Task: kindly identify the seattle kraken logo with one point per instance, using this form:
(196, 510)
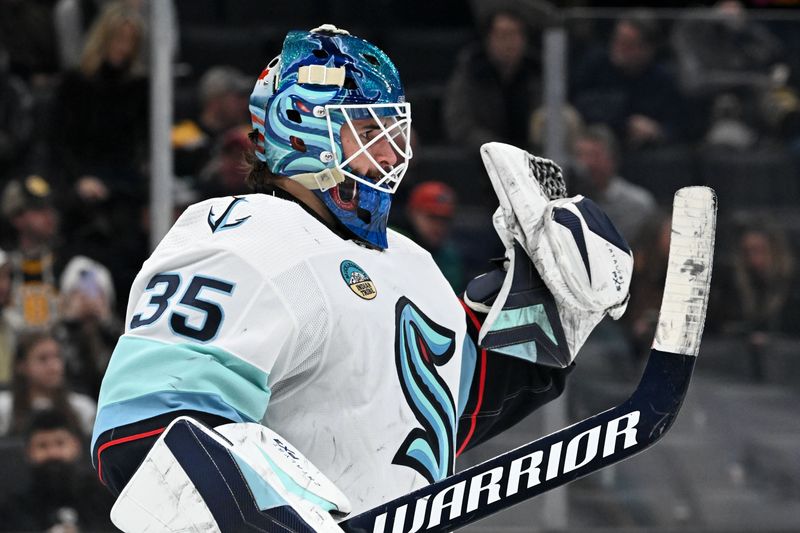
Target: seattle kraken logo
(420, 347)
(221, 223)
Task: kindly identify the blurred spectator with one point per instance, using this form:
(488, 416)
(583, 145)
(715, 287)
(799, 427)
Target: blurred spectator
(626, 87)
(102, 110)
(224, 94)
(73, 19)
(734, 65)
(16, 118)
(650, 253)
(728, 126)
(573, 125)
(26, 31)
(102, 113)
(225, 173)
(63, 495)
(39, 383)
(755, 287)
(724, 51)
(35, 262)
(89, 328)
(430, 211)
(8, 333)
(496, 83)
(629, 206)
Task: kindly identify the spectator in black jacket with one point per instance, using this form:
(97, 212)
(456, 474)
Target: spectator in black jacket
(625, 87)
(63, 494)
(755, 290)
(16, 117)
(495, 86)
(101, 110)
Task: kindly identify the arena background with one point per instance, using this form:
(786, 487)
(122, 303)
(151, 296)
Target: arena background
(731, 462)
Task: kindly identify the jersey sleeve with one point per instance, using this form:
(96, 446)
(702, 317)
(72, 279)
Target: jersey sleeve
(207, 332)
(503, 390)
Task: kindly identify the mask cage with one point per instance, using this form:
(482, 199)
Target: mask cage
(393, 123)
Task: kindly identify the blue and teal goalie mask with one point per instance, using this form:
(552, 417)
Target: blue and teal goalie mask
(330, 113)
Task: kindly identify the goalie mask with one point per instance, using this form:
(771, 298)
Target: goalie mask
(330, 113)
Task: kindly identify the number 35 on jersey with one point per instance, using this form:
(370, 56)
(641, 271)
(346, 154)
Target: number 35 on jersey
(194, 308)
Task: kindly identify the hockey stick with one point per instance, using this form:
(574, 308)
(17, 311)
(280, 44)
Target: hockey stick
(598, 441)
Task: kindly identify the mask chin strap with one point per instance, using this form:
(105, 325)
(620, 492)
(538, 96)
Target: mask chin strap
(328, 179)
(319, 181)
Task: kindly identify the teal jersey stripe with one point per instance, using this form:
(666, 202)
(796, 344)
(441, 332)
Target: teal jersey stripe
(125, 412)
(469, 360)
(141, 367)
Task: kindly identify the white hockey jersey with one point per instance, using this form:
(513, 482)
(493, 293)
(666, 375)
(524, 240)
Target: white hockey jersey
(252, 309)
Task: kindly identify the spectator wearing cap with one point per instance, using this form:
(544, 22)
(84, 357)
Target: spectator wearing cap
(36, 261)
(61, 494)
(88, 327)
(223, 95)
(430, 209)
(100, 115)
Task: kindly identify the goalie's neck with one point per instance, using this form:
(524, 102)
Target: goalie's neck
(307, 198)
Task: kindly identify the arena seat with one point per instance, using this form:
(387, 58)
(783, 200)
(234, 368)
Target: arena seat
(12, 465)
(249, 50)
(198, 11)
(456, 167)
(438, 46)
(426, 112)
(661, 170)
(297, 14)
(765, 177)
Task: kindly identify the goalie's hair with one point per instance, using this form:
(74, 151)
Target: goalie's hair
(259, 178)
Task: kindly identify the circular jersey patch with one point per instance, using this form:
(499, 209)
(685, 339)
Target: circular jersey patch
(358, 280)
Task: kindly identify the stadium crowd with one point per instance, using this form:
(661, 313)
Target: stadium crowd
(653, 104)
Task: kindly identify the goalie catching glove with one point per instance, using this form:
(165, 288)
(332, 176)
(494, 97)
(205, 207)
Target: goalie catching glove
(568, 265)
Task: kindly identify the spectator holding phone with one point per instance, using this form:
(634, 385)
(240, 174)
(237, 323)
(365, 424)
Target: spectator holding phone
(88, 328)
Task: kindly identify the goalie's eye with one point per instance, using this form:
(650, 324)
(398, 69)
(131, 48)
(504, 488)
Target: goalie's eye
(368, 134)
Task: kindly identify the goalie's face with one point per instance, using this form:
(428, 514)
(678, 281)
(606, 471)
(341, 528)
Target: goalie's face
(369, 152)
(332, 105)
(375, 153)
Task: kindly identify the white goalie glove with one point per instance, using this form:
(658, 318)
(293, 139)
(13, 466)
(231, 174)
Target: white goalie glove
(582, 271)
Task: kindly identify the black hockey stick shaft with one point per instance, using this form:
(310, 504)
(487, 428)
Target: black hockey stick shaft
(543, 464)
(597, 441)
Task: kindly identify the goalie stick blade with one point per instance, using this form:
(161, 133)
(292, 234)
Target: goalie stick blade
(600, 440)
(691, 253)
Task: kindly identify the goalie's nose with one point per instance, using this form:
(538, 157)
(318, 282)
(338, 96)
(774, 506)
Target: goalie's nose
(384, 154)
